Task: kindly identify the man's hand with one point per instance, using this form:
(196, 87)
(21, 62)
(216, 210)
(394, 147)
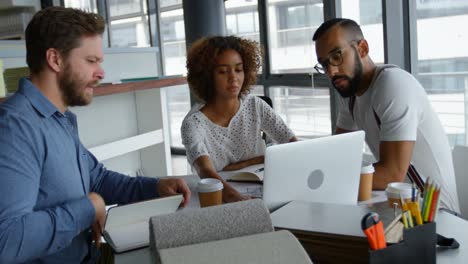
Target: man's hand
(170, 187)
(99, 218)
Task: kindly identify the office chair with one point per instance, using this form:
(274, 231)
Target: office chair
(270, 103)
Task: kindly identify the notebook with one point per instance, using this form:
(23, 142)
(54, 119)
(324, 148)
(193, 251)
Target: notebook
(127, 226)
(252, 173)
(325, 170)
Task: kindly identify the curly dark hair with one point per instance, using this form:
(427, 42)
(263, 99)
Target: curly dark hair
(201, 58)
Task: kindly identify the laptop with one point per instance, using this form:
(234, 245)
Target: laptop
(325, 170)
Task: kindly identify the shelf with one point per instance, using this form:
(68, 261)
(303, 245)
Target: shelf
(108, 89)
(127, 145)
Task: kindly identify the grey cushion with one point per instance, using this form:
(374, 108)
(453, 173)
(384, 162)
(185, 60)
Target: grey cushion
(188, 227)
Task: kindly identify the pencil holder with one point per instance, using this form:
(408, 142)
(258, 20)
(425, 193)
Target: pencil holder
(418, 246)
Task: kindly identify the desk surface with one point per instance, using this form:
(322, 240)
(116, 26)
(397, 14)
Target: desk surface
(447, 225)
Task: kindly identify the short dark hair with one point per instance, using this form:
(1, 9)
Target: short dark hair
(201, 58)
(349, 25)
(60, 28)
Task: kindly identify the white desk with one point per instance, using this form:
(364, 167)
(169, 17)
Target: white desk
(447, 225)
(142, 256)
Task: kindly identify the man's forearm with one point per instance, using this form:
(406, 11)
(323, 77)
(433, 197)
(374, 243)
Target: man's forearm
(41, 233)
(384, 175)
(245, 163)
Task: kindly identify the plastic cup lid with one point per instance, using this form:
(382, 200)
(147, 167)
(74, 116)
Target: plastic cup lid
(367, 167)
(209, 185)
(394, 189)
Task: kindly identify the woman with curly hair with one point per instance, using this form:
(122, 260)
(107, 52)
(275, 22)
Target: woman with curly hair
(224, 131)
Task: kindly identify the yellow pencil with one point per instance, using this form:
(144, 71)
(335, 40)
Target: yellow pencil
(428, 203)
(405, 222)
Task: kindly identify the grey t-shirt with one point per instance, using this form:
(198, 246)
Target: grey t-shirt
(402, 105)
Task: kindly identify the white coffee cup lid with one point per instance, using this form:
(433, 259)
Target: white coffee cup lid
(367, 167)
(394, 189)
(209, 185)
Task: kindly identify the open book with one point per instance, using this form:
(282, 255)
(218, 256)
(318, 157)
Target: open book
(126, 226)
(252, 173)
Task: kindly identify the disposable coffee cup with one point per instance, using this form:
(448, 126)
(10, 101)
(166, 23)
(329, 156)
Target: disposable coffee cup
(365, 183)
(210, 192)
(396, 191)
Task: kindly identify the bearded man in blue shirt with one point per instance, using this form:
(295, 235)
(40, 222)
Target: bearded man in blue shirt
(53, 190)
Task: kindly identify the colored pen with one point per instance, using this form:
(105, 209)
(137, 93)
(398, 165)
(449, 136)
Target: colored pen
(425, 195)
(405, 222)
(429, 202)
(434, 204)
(410, 219)
(416, 213)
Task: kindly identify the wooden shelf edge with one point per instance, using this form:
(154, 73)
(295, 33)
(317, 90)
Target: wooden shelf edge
(127, 145)
(138, 85)
(109, 89)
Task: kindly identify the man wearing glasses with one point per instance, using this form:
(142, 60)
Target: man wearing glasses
(390, 105)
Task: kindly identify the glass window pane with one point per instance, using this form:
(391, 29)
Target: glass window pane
(86, 5)
(231, 24)
(173, 41)
(169, 3)
(242, 19)
(368, 14)
(442, 66)
(305, 110)
(178, 102)
(126, 7)
(246, 23)
(291, 27)
(132, 32)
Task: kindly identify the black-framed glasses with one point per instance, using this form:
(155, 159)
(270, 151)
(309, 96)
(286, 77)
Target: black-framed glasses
(334, 59)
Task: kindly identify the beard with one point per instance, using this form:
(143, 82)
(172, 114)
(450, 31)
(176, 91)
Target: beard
(353, 83)
(72, 88)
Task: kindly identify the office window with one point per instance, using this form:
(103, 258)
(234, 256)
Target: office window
(169, 3)
(291, 25)
(368, 14)
(305, 110)
(131, 32)
(174, 58)
(128, 23)
(126, 7)
(86, 5)
(442, 63)
(173, 41)
(128, 19)
(242, 19)
(178, 102)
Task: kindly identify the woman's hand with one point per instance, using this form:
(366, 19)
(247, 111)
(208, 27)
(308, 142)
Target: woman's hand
(245, 163)
(231, 195)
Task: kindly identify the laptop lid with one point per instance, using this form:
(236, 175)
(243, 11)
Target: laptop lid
(323, 170)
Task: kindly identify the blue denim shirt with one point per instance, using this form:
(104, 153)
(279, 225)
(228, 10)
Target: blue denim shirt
(45, 177)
